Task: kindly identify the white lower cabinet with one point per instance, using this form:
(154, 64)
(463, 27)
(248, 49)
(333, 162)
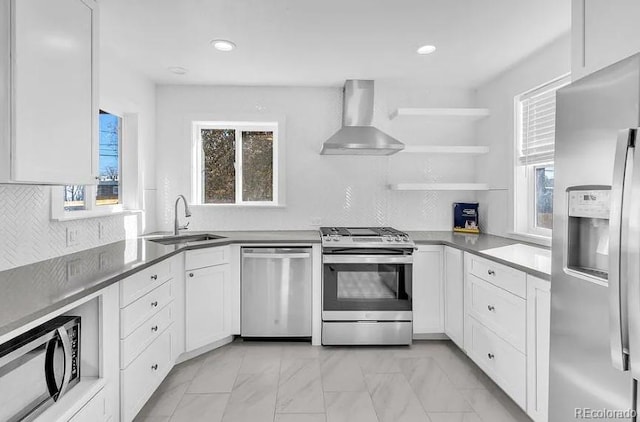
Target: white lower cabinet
(502, 312)
(141, 378)
(147, 346)
(454, 295)
(428, 300)
(538, 333)
(208, 300)
(499, 359)
(207, 290)
(506, 331)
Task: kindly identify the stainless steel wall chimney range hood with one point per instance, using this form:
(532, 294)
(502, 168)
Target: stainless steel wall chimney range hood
(357, 136)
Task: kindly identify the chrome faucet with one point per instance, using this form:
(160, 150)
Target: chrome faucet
(187, 213)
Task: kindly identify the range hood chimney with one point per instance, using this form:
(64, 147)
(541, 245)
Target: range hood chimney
(357, 136)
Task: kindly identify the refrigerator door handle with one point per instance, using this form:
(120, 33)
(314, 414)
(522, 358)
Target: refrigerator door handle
(618, 318)
(630, 266)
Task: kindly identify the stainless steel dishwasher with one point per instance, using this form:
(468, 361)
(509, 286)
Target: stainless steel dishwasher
(276, 292)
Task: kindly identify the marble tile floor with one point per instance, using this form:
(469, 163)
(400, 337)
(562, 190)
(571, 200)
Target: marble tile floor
(430, 381)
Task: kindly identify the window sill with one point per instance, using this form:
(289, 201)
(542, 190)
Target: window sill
(532, 238)
(238, 205)
(83, 215)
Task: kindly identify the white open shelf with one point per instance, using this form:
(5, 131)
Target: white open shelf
(73, 400)
(444, 149)
(439, 186)
(467, 113)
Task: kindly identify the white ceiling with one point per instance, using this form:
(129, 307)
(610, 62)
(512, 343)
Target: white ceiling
(324, 42)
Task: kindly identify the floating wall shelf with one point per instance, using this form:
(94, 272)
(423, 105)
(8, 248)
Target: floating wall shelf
(439, 186)
(429, 149)
(467, 113)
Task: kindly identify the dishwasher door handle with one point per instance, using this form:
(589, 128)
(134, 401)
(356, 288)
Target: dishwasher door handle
(276, 255)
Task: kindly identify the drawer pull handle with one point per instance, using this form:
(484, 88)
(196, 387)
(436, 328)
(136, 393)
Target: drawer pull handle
(154, 304)
(491, 308)
(154, 366)
(154, 328)
(491, 272)
(491, 355)
(154, 277)
(190, 274)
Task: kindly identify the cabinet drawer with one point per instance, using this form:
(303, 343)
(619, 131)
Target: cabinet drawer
(501, 311)
(142, 309)
(206, 257)
(144, 335)
(501, 361)
(144, 375)
(510, 279)
(134, 287)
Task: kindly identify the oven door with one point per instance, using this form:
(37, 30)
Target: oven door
(367, 287)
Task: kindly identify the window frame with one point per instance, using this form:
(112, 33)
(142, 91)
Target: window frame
(92, 209)
(524, 195)
(238, 127)
(119, 206)
(532, 226)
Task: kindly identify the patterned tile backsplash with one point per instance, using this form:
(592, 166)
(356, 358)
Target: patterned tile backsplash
(27, 233)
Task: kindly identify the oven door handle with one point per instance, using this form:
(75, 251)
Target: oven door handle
(367, 259)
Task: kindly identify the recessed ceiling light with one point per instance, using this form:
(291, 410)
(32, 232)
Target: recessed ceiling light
(177, 70)
(223, 45)
(426, 49)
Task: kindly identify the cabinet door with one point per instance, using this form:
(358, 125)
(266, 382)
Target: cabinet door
(428, 309)
(538, 326)
(454, 295)
(54, 108)
(603, 32)
(207, 305)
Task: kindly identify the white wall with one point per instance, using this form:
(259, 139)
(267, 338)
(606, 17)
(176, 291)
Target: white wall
(125, 92)
(498, 132)
(27, 233)
(338, 190)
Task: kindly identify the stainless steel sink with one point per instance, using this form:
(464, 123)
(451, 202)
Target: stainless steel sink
(186, 238)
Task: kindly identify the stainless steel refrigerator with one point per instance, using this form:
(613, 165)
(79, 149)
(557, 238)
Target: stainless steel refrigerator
(595, 287)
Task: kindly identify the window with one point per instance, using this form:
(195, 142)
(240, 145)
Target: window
(535, 143)
(236, 163)
(107, 194)
(108, 189)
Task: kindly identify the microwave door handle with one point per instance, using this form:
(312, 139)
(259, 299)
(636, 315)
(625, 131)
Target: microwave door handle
(618, 320)
(52, 384)
(68, 361)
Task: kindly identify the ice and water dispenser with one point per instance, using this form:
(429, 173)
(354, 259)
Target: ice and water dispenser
(588, 237)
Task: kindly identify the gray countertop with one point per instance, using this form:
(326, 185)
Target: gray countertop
(476, 243)
(35, 290)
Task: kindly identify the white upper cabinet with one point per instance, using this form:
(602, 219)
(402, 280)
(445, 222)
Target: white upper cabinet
(48, 92)
(602, 33)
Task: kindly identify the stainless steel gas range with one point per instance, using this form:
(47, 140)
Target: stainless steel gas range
(367, 286)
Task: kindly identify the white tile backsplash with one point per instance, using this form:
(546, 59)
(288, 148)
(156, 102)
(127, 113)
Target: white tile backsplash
(27, 233)
(338, 190)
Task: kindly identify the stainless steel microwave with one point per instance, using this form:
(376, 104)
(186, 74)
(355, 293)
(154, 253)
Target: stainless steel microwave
(38, 367)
